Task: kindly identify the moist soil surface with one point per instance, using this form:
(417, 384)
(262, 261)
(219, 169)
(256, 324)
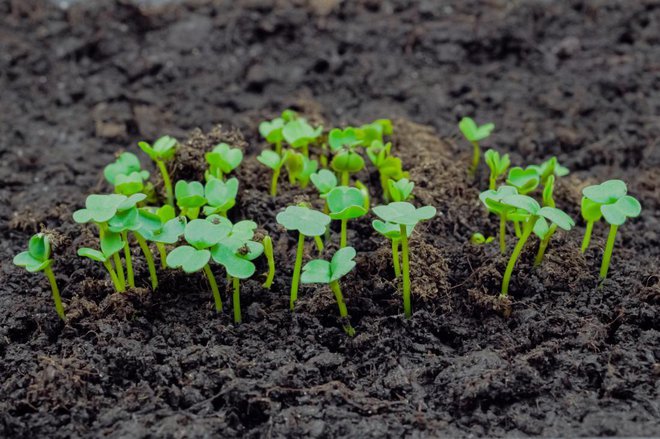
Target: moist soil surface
(562, 358)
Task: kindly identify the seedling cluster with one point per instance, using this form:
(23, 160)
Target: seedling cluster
(191, 230)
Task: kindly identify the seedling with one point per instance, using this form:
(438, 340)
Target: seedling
(272, 132)
(300, 168)
(345, 203)
(393, 233)
(267, 242)
(478, 238)
(126, 174)
(324, 181)
(593, 197)
(162, 150)
(190, 197)
(541, 228)
(324, 272)
(474, 134)
(525, 180)
(400, 190)
(616, 207)
(275, 162)
(550, 167)
(497, 164)
(37, 258)
(300, 134)
(111, 244)
(307, 222)
(346, 160)
(167, 230)
(201, 235)
(404, 215)
(220, 196)
(492, 200)
(389, 167)
(529, 211)
(222, 160)
(374, 131)
(236, 253)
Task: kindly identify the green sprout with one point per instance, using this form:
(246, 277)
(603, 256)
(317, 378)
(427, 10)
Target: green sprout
(550, 167)
(267, 242)
(374, 131)
(393, 233)
(222, 160)
(498, 165)
(111, 244)
(404, 215)
(609, 200)
(300, 168)
(167, 229)
(189, 197)
(37, 258)
(389, 167)
(201, 235)
(347, 162)
(493, 201)
(345, 203)
(474, 134)
(275, 162)
(529, 211)
(272, 132)
(162, 150)
(478, 238)
(319, 271)
(525, 180)
(400, 190)
(220, 196)
(126, 174)
(300, 134)
(307, 222)
(324, 181)
(236, 253)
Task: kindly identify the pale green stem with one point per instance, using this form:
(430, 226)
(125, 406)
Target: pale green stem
(120, 269)
(611, 238)
(319, 244)
(268, 251)
(503, 233)
(476, 156)
(405, 265)
(527, 231)
(166, 182)
(56, 293)
(296, 271)
(493, 181)
(214, 288)
(395, 258)
(163, 254)
(273, 182)
(236, 301)
(587, 236)
(384, 186)
(150, 260)
(305, 150)
(278, 147)
(543, 245)
(344, 233)
(129, 260)
(516, 227)
(345, 178)
(113, 276)
(343, 312)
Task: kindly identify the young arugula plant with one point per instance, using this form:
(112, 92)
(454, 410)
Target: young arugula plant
(220, 196)
(611, 199)
(374, 131)
(404, 215)
(162, 151)
(201, 235)
(529, 212)
(524, 180)
(126, 174)
(498, 165)
(111, 244)
(346, 160)
(300, 134)
(324, 181)
(236, 253)
(190, 198)
(474, 134)
(492, 200)
(389, 167)
(541, 228)
(222, 160)
(345, 203)
(307, 222)
(161, 227)
(478, 238)
(319, 271)
(300, 168)
(400, 190)
(550, 167)
(393, 233)
(275, 162)
(37, 258)
(267, 242)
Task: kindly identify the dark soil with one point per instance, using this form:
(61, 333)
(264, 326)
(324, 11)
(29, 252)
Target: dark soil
(579, 79)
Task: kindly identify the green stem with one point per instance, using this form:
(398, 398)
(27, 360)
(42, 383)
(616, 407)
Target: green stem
(296, 271)
(345, 178)
(120, 270)
(319, 244)
(113, 275)
(268, 251)
(343, 312)
(516, 227)
(492, 181)
(305, 151)
(166, 181)
(611, 238)
(344, 233)
(150, 260)
(163, 254)
(214, 288)
(405, 265)
(273, 182)
(476, 156)
(503, 233)
(395, 258)
(56, 293)
(384, 186)
(236, 301)
(587, 236)
(543, 245)
(527, 231)
(129, 260)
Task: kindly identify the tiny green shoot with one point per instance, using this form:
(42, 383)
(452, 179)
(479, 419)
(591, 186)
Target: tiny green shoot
(37, 258)
(220, 196)
(393, 233)
(162, 150)
(400, 190)
(345, 203)
(271, 130)
(126, 174)
(300, 168)
(324, 272)
(593, 197)
(267, 242)
(478, 238)
(300, 134)
(222, 160)
(498, 165)
(492, 200)
(525, 180)
(111, 244)
(189, 197)
(474, 134)
(275, 162)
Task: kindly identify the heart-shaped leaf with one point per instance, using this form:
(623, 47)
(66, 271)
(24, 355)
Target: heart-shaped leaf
(472, 132)
(347, 161)
(557, 216)
(204, 234)
(124, 220)
(272, 130)
(342, 263)
(189, 259)
(346, 203)
(316, 271)
(220, 195)
(523, 202)
(99, 208)
(607, 192)
(111, 243)
(400, 190)
(625, 207)
(525, 180)
(338, 138)
(126, 164)
(493, 199)
(401, 212)
(235, 265)
(590, 210)
(189, 195)
(299, 133)
(307, 221)
(541, 228)
(324, 181)
(224, 157)
(92, 254)
(390, 230)
(271, 159)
